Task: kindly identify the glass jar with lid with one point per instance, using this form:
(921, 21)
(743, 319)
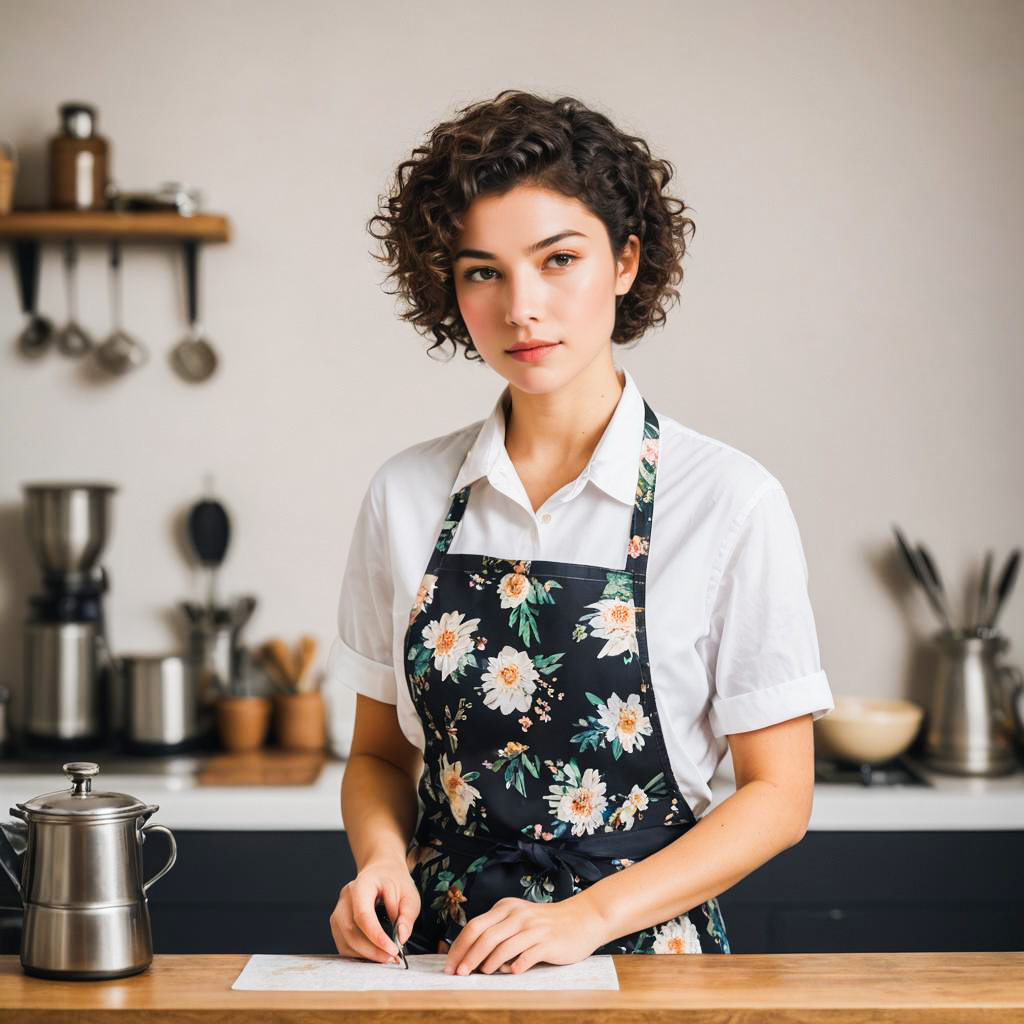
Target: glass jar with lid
(79, 161)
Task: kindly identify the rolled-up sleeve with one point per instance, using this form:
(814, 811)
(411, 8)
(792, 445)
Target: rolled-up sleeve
(762, 650)
(361, 653)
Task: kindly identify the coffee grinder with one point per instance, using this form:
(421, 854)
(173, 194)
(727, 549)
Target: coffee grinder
(69, 698)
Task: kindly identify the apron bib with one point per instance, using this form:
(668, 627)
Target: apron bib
(545, 767)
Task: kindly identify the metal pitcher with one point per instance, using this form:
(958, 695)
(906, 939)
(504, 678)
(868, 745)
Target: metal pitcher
(974, 720)
(80, 855)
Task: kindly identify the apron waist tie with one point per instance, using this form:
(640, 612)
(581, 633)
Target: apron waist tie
(564, 857)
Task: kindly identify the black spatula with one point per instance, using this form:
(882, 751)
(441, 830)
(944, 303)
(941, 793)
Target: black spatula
(209, 531)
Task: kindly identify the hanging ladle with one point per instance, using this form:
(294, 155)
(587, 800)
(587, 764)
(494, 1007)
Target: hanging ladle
(193, 358)
(35, 339)
(72, 340)
(120, 352)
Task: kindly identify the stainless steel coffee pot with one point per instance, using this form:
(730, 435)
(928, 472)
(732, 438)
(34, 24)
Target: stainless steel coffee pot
(86, 912)
(976, 718)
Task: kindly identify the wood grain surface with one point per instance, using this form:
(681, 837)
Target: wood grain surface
(937, 988)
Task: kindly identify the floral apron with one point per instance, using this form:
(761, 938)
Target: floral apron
(545, 768)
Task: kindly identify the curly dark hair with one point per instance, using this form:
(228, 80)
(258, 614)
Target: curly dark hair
(519, 138)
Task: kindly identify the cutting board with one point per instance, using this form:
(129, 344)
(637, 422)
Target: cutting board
(268, 767)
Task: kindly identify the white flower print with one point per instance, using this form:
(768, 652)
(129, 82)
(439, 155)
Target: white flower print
(449, 638)
(650, 450)
(636, 801)
(584, 806)
(679, 935)
(509, 681)
(461, 795)
(615, 622)
(513, 588)
(625, 722)
(638, 798)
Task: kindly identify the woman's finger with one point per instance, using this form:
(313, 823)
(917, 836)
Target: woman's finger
(363, 948)
(481, 947)
(408, 910)
(350, 941)
(364, 915)
(506, 951)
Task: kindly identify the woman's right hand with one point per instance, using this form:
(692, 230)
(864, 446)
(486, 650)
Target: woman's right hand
(354, 923)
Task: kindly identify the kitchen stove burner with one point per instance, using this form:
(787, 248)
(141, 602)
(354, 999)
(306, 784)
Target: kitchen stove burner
(898, 771)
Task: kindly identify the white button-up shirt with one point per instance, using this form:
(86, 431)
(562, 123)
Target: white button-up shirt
(730, 631)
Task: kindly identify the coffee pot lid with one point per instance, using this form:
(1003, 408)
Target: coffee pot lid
(80, 801)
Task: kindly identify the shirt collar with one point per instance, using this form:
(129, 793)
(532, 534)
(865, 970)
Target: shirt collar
(613, 466)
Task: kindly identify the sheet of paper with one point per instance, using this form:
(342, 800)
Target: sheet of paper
(426, 971)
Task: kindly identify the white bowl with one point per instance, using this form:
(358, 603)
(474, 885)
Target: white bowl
(867, 730)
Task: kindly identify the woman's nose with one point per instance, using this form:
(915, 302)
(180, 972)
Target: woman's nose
(524, 299)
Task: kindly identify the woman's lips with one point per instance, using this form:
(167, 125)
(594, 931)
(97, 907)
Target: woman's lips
(531, 355)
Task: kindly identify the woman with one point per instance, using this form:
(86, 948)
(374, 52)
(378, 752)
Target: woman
(547, 672)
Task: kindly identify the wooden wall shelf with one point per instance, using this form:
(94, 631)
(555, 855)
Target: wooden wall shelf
(126, 225)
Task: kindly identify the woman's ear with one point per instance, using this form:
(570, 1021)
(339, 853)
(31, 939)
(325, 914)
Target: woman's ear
(628, 264)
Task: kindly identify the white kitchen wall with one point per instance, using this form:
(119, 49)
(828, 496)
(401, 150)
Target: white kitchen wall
(850, 315)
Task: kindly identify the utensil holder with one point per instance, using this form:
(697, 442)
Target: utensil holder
(300, 720)
(243, 722)
(8, 174)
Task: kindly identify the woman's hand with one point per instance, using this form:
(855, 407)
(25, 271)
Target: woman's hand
(515, 934)
(354, 923)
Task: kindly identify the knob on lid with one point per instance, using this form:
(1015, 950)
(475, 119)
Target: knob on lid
(80, 801)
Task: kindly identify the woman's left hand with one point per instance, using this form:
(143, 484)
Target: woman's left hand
(515, 934)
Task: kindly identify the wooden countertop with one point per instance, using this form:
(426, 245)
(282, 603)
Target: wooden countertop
(926, 988)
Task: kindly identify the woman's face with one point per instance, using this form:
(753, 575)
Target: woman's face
(562, 292)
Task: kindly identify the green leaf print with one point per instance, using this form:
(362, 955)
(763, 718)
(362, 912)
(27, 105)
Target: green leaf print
(523, 617)
(420, 656)
(514, 767)
(567, 774)
(657, 787)
(589, 739)
(547, 663)
(468, 659)
(619, 587)
(596, 734)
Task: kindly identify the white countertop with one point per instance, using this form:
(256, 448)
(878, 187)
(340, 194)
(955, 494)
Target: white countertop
(951, 804)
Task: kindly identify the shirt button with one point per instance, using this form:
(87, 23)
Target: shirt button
(546, 518)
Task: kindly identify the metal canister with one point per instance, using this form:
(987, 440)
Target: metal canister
(161, 702)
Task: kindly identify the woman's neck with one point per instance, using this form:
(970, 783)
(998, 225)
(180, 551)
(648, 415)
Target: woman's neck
(562, 428)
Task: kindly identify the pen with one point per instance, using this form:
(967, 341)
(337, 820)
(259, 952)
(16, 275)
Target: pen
(386, 924)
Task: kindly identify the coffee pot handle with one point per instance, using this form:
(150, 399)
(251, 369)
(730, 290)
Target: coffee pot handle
(170, 860)
(1014, 692)
(13, 840)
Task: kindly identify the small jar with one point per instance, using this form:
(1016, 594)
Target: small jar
(79, 161)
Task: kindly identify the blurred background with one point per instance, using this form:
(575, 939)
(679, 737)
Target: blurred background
(850, 314)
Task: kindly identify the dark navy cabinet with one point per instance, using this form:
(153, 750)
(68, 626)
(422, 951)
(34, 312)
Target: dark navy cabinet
(273, 892)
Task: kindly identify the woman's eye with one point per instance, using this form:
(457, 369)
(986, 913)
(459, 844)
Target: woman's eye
(564, 255)
(490, 270)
